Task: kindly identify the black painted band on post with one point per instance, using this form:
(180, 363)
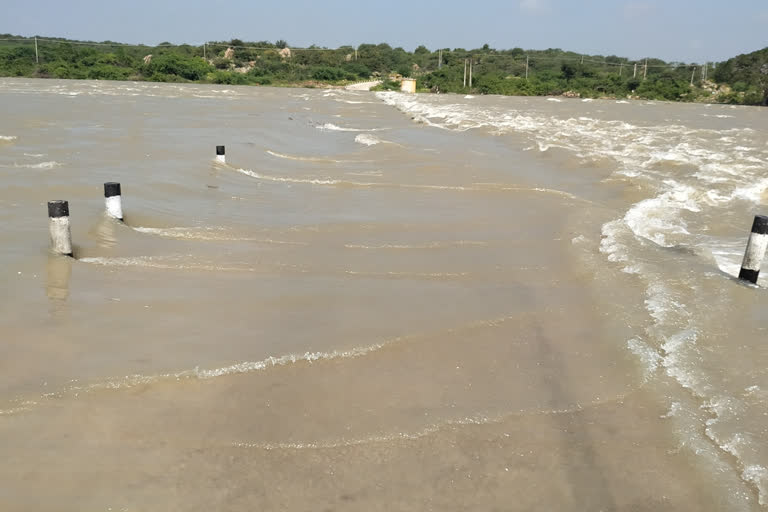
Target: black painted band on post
(111, 189)
(749, 275)
(58, 209)
(219, 150)
(760, 225)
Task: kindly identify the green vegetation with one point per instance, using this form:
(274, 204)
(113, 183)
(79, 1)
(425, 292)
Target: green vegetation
(747, 76)
(741, 80)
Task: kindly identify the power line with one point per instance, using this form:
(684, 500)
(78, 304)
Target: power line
(527, 57)
(170, 45)
(533, 57)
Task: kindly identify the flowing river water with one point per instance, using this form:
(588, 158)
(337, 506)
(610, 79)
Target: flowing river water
(380, 302)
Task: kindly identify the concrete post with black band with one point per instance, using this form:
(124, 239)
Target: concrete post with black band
(61, 237)
(753, 257)
(113, 200)
(220, 155)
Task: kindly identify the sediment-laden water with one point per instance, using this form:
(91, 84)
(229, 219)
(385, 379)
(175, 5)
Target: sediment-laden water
(381, 302)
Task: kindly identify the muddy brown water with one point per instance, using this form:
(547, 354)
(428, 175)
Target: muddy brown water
(381, 302)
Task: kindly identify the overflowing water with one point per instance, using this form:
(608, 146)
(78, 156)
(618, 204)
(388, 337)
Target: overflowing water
(381, 302)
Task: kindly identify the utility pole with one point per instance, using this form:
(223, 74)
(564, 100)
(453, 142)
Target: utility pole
(470, 73)
(635, 73)
(205, 56)
(692, 75)
(645, 71)
(37, 57)
(582, 60)
(621, 68)
(465, 72)
(355, 53)
(439, 59)
(526, 67)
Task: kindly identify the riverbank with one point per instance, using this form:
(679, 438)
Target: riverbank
(514, 72)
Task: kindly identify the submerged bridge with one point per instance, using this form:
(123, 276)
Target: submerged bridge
(363, 86)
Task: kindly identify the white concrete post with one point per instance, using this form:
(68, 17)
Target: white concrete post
(753, 257)
(113, 200)
(61, 237)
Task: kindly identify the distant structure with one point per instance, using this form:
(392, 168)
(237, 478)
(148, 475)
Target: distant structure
(229, 54)
(285, 53)
(408, 85)
(363, 86)
(147, 59)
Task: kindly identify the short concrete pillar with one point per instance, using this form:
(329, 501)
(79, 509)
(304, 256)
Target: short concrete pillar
(220, 155)
(113, 200)
(753, 257)
(408, 85)
(61, 237)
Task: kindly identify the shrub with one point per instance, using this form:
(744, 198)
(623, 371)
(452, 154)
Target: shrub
(328, 73)
(190, 68)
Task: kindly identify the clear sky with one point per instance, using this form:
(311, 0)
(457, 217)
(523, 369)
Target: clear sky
(674, 30)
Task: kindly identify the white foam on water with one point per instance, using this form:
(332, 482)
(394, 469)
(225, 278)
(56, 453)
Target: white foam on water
(739, 444)
(383, 438)
(428, 430)
(468, 97)
(459, 188)
(556, 100)
(674, 325)
(367, 139)
(40, 165)
(306, 158)
(245, 367)
(674, 410)
(638, 150)
(335, 128)
(478, 419)
(163, 263)
(758, 476)
(132, 381)
(728, 257)
(286, 179)
(659, 219)
(7, 138)
(753, 193)
(214, 233)
(650, 359)
(338, 183)
(680, 361)
(364, 173)
(578, 240)
(614, 241)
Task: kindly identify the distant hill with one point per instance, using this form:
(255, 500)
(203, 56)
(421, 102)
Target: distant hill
(747, 75)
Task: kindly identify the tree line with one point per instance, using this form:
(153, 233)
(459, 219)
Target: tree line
(741, 80)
